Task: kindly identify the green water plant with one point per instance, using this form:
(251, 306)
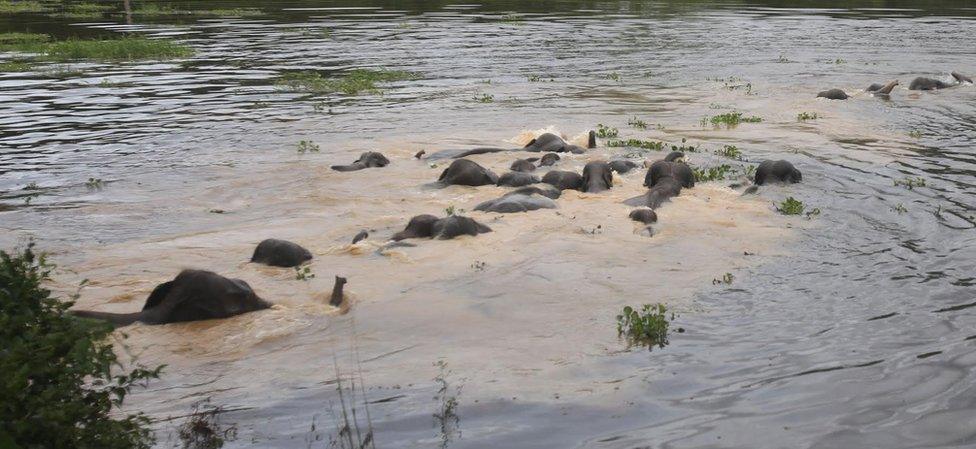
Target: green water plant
(21, 6)
(646, 326)
(653, 145)
(349, 83)
(804, 116)
(304, 273)
(485, 98)
(614, 76)
(94, 184)
(61, 381)
(122, 49)
(637, 123)
(791, 206)
(307, 146)
(451, 210)
(606, 132)
(715, 173)
(725, 279)
(730, 151)
(730, 119)
(915, 134)
(16, 66)
(910, 182)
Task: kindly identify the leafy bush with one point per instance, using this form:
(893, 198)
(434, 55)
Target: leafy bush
(60, 377)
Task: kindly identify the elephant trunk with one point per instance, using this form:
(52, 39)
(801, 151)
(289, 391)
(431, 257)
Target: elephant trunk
(117, 319)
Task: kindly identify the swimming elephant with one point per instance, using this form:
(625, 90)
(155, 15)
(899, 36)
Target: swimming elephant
(622, 165)
(193, 295)
(551, 143)
(923, 83)
(643, 215)
(467, 173)
(674, 156)
(882, 89)
(667, 169)
(563, 180)
(368, 159)
(516, 202)
(429, 226)
(517, 179)
(597, 177)
(547, 190)
(522, 165)
(833, 94)
(777, 172)
(548, 159)
(337, 298)
(280, 253)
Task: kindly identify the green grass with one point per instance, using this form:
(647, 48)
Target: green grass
(804, 116)
(124, 49)
(24, 6)
(350, 83)
(307, 146)
(637, 143)
(606, 132)
(791, 206)
(647, 326)
(910, 182)
(152, 9)
(451, 210)
(13, 39)
(637, 123)
(16, 66)
(730, 151)
(730, 119)
(613, 76)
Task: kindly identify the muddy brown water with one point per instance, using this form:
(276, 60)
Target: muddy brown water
(853, 328)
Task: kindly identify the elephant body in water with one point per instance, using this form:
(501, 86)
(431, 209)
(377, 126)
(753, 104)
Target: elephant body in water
(563, 180)
(467, 173)
(923, 83)
(777, 172)
(551, 143)
(280, 253)
(366, 160)
(597, 177)
(192, 296)
(522, 165)
(429, 226)
(833, 94)
(517, 179)
(664, 180)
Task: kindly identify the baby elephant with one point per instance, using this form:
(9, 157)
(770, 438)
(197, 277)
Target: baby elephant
(280, 253)
(429, 226)
(517, 179)
(522, 165)
(781, 172)
(563, 180)
(368, 159)
(193, 295)
(467, 173)
(597, 177)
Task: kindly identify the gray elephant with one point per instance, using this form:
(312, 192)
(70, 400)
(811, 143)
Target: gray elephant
(280, 253)
(467, 173)
(781, 172)
(551, 143)
(563, 180)
(429, 226)
(664, 180)
(192, 296)
(597, 177)
(517, 179)
(643, 215)
(522, 165)
(833, 94)
(923, 83)
(368, 159)
(622, 165)
(516, 202)
(548, 160)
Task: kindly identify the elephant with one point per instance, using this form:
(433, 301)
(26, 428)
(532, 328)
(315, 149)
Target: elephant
(551, 143)
(547, 190)
(777, 172)
(643, 215)
(622, 165)
(674, 156)
(430, 226)
(192, 296)
(833, 94)
(664, 180)
(516, 202)
(597, 177)
(467, 173)
(563, 179)
(362, 235)
(522, 165)
(882, 89)
(517, 179)
(922, 83)
(548, 159)
(368, 159)
(280, 253)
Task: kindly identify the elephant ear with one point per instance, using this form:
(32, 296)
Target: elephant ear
(443, 174)
(158, 295)
(531, 142)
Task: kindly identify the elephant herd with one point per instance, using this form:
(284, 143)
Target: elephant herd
(200, 295)
(884, 90)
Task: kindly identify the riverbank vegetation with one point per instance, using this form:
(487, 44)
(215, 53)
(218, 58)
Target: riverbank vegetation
(350, 83)
(61, 380)
(42, 48)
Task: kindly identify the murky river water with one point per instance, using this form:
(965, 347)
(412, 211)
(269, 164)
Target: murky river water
(854, 328)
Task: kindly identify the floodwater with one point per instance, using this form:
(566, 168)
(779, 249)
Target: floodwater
(851, 328)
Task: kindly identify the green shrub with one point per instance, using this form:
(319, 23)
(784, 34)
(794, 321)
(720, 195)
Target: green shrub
(791, 206)
(61, 379)
(648, 326)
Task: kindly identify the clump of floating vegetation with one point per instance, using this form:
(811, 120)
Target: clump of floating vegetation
(537, 79)
(304, 273)
(21, 6)
(637, 143)
(613, 76)
(730, 119)
(730, 151)
(16, 66)
(726, 279)
(94, 184)
(791, 206)
(123, 49)
(637, 123)
(712, 173)
(350, 83)
(647, 326)
(910, 182)
(915, 133)
(307, 146)
(451, 210)
(804, 116)
(606, 132)
(513, 19)
(485, 98)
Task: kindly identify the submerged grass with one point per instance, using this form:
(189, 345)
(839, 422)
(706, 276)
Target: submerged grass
(124, 49)
(730, 119)
(16, 66)
(352, 82)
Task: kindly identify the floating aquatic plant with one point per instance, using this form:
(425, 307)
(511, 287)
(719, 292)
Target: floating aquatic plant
(730, 151)
(304, 273)
(637, 143)
(647, 326)
(21, 6)
(123, 49)
(606, 132)
(910, 182)
(730, 119)
(485, 98)
(804, 116)
(307, 146)
(712, 173)
(790, 206)
(349, 83)
(726, 279)
(637, 123)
